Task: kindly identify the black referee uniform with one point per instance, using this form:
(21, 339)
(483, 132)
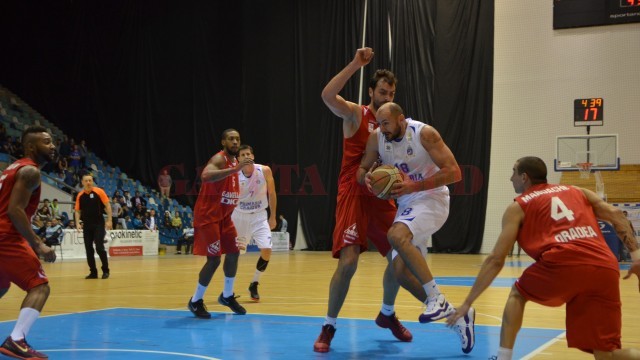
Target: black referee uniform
(91, 206)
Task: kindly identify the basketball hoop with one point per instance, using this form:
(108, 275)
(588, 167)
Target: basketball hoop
(585, 169)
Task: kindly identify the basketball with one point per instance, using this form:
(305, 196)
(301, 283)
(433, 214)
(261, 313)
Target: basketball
(383, 178)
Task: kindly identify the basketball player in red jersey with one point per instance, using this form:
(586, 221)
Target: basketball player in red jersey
(556, 225)
(214, 233)
(359, 214)
(19, 264)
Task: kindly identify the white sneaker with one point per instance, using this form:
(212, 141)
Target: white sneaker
(437, 308)
(465, 327)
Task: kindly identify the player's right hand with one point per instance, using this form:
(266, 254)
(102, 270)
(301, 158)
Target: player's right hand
(363, 56)
(634, 269)
(244, 162)
(48, 253)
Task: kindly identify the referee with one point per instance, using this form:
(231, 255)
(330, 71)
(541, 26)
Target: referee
(91, 204)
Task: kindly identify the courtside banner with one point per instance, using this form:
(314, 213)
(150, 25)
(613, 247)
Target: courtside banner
(118, 243)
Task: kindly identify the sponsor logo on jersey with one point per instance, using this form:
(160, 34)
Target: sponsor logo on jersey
(371, 127)
(214, 248)
(351, 233)
(409, 151)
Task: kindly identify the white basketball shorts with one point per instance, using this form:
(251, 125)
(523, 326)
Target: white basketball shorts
(423, 216)
(253, 226)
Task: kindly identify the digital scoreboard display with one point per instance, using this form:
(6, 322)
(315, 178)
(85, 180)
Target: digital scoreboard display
(588, 112)
(581, 13)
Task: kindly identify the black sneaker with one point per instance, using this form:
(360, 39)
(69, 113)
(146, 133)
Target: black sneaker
(199, 309)
(91, 276)
(105, 275)
(19, 349)
(253, 290)
(232, 303)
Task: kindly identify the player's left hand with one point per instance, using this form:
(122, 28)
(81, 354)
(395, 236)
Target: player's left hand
(404, 187)
(634, 269)
(272, 223)
(367, 176)
(460, 312)
(108, 225)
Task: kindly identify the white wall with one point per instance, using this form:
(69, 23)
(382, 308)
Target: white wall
(538, 72)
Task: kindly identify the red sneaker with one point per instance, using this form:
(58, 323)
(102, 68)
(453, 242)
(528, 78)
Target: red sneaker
(19, 349)
(324, 339)
(392, 323)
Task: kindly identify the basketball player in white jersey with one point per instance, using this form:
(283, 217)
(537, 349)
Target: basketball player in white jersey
(257, 191)
(427, 165)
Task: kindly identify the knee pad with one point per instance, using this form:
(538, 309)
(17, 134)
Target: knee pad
(262, 264)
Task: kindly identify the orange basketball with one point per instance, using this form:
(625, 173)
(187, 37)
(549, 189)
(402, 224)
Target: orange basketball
(383, 178)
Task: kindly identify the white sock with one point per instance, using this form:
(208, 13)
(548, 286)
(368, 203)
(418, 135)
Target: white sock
(387, 310)
(25, 320)
(330, 321)
(199, 294)
(505, 354)
(228, 286)
(256, 276)
(431, 289)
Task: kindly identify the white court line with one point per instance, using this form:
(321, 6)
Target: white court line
(544, 346)
(134, 351)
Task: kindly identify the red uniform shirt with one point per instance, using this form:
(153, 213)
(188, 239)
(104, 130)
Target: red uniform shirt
(560, 227)
(352, 151)
(7, 180)
(216, 200)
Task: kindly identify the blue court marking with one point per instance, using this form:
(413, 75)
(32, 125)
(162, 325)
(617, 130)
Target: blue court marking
(468, 281)
(169, 335)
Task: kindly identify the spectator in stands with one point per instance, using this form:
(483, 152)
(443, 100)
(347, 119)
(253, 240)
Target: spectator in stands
(167, 220)
(53, 233)
(116, 211)
(138, 200)
(38, 226)
(18, 152)
(140, 210)
(185, 239)
(74, 159)
(283, 224)
(65, 147)
(63, 164)
(55, 208)
(150, 220)
(176, 221)
(137, 222)
(128, 222)
(3, 132)
(70, 179)
(164, 183)
(127, 199)
(71, 224)
(82, 149)
(150, 200)
(44, 211)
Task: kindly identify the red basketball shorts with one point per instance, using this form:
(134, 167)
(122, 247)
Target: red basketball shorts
(19, 265)
(215, 239)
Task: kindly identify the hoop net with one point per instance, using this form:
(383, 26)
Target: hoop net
(585, 169)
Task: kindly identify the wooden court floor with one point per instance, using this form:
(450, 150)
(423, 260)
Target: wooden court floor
(296, 283)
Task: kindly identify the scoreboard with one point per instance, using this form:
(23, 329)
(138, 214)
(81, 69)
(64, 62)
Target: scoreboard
(581, 13)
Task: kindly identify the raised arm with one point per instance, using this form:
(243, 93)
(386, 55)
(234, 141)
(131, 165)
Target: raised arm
(493, 263)
(27, 180)
(348, 111)
(271, 192)
(215, 171)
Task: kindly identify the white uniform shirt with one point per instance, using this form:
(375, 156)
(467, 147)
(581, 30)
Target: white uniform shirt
(253, 191)
(408, 155)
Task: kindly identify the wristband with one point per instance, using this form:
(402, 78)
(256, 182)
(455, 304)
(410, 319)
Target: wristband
(635, 255)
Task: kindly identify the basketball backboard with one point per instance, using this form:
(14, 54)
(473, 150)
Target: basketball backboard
(601, 151)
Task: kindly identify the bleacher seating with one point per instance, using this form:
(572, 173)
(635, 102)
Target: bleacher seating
(110, 178)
